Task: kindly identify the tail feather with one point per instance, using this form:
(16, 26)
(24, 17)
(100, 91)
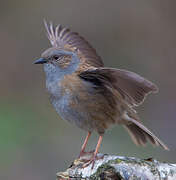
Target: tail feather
(140, 134)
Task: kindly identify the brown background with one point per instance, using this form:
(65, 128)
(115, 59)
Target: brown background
(134, 35)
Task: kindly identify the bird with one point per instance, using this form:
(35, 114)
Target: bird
(93, 97)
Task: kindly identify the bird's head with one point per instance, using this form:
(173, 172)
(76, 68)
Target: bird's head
(68, 48)
(57, 57)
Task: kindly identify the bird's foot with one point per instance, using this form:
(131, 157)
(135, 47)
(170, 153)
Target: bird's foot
(85, 154)
(92, 161)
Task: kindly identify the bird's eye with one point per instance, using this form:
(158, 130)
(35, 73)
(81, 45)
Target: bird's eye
(55, 57)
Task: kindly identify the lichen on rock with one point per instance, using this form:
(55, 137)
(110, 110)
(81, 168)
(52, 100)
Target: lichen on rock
(119, 168)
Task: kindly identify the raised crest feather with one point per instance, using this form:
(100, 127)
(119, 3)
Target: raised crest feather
(63, 38)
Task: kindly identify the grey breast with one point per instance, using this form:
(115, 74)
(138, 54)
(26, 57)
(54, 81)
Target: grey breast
(54, 76)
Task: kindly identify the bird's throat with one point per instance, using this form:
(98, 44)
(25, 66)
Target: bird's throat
(55, 74)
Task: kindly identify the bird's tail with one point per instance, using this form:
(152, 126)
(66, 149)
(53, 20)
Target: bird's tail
(140, 134)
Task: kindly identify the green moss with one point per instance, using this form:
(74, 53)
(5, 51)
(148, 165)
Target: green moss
(107, 168)
(104, 169)
(117, 161)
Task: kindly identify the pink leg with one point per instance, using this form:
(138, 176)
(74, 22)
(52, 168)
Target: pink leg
(94, 157)
(84, 145)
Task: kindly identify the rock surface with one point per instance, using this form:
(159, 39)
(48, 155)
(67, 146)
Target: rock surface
(119, 168)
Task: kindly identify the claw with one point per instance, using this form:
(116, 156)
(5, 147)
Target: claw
(94, 157)
(92, 161)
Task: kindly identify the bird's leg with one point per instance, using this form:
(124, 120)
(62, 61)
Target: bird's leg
(94, 157)
(84, 145)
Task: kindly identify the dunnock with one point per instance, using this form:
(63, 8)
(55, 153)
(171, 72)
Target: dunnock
(92, 96)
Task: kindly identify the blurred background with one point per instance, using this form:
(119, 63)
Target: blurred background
(135, 35)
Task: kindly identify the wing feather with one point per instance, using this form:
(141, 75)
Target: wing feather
(132, 87)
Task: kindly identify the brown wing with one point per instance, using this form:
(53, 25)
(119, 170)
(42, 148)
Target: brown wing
(132, 87)
(64, 38)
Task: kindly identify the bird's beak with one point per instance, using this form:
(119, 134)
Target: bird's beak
(40, 61)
